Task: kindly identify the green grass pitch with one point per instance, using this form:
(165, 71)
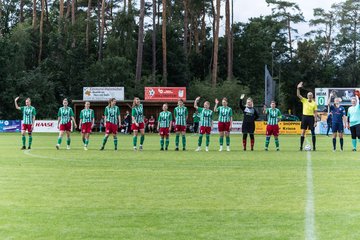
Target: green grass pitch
(73, 194)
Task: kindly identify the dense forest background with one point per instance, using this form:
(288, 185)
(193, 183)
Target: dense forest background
(50, 49)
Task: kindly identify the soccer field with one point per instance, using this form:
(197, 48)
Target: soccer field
(73, 194)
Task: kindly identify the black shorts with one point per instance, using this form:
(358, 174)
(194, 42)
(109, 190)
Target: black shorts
(307, 122)
(248, 127)
(355, 131)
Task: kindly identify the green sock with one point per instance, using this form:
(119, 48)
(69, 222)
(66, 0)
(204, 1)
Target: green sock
(104, 141)
(134, 141)
(184, 140)
(115, 142)
(354, 143)
(228, 141)
(267, 141)
(142, 139)
(86, 142)
(207, 140)
(221, 141)
(167, 142)
(23, 138)
(68, 141)
(277, 143)
(59, 140)
(161, 142)
(177, 140)
(200, 140)
(30, 141)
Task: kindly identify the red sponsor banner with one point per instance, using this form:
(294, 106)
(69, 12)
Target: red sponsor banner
(165, 94)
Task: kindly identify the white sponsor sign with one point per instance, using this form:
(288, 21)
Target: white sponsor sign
(103, 93)
(46, 126)
(236, 127)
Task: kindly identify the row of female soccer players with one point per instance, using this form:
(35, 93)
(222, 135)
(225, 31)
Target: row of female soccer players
(113, 122)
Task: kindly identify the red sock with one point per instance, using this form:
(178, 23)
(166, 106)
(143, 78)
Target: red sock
(252, 143)
(244, 144)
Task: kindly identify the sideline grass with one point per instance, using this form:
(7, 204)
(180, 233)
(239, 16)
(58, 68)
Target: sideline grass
(50, 194)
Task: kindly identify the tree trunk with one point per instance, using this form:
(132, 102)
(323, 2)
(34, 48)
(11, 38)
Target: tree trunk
(163, 39)
(158, 15)
(129, 6)
(196, 35)
(228, 38)
(1, 14)
(21, 11)
(216, 44)
(73, 10)
(47, 12)
(140, 43)
(41, 30)
(154, 43)
(102, 29)
(186, 23)
(34, 15)
(88, 27)
(61, 10)
(203, 28)
(290, 41)
(232, 38)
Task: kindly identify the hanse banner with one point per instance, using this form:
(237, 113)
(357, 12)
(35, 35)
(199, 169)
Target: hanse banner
(169, 94)
(46, 126)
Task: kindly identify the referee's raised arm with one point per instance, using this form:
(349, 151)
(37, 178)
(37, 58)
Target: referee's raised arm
(300, 85)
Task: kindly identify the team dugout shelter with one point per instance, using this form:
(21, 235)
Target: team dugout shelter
(155, 97)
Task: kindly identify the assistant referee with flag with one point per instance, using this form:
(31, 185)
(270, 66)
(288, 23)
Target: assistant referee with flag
(308, 120)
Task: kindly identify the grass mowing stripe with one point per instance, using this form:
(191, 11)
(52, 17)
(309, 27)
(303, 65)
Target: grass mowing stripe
(310, 206)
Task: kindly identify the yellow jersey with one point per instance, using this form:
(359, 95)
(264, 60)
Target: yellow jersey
(309, 108)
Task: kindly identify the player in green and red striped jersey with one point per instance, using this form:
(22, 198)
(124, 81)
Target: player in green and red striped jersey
(225, 122)
(28, 121)
(206, 122)
(65, 118)
(272, 128)
(87, 121)
(138, 123)
(164, 126)
(181, 115)
(112, 121)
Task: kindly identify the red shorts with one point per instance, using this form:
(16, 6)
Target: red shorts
(65, 127)
(179, 128)
(224, 126)
(26, 127)
(137, 128)
(86, 127)
(164, 132)
(272, 130)
(205, 130)
(111, 128)
(151, 125)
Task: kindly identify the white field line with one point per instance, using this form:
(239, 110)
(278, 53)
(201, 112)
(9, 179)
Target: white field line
(28, 152)
(310, 203)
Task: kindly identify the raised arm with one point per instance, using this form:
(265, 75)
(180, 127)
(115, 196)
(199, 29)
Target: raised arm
(241, 104)
(300, 85)
(196, 103)
(16, 104)
(216, 105)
